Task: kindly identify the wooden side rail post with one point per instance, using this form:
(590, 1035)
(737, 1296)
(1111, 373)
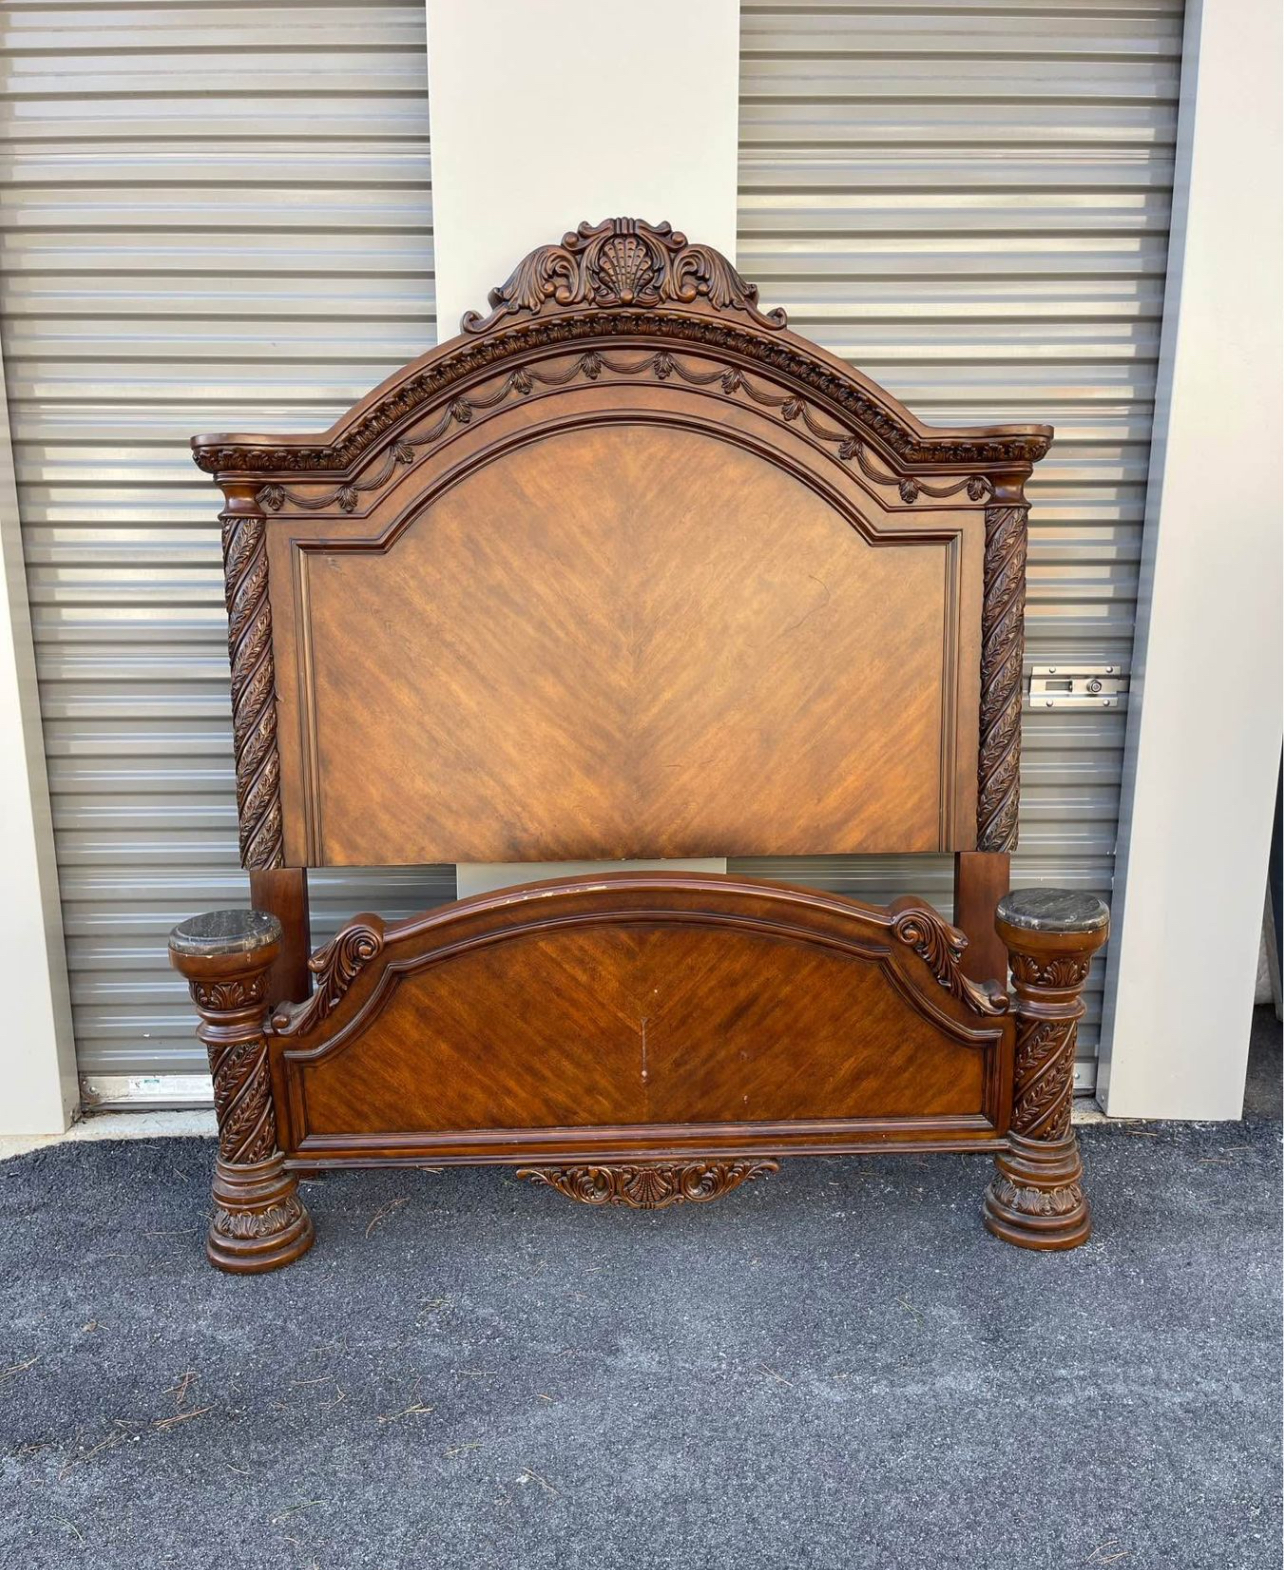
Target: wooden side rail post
(259, 1222)
(1036, 1199)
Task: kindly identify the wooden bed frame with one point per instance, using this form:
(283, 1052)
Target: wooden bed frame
(628, 569)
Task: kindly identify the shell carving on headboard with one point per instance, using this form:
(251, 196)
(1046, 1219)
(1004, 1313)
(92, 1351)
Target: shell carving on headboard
(623, 261)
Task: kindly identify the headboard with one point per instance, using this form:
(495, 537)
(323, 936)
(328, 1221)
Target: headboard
(626, 569)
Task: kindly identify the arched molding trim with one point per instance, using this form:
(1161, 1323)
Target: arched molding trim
(633, 285)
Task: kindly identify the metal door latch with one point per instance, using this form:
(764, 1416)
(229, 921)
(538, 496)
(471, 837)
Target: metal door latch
(1077, 687)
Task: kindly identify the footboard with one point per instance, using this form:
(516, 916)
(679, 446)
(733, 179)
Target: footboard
(641, 1039)
(628, 1015)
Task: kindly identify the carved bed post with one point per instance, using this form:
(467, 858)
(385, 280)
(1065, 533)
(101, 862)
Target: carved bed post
(259, 1222)
(1002, 653)
(249, 646)
(280, 890)
(1036, 1197)
(981, 876)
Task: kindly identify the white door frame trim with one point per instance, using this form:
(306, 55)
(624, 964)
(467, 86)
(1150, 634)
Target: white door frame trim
(38, 1091)
(548, 112)
(1203, 739)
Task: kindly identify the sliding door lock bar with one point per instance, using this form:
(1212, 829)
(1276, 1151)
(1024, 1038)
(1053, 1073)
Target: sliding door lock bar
(1077, 687)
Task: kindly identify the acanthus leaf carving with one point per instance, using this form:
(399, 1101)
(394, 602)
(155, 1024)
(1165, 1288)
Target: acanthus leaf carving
(649, 1185)
(254, 737)
(243, 1100)
(236, 992)
(1059, 1200)
(247, 1224)
(336, 966)
(941, 948)
(1063, 970)
(622, 262)
(1044, 1078)
(1002, 649)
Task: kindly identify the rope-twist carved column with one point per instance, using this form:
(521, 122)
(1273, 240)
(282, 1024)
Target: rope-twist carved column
(259, 1222)
(1002, 651)
(1036, 1197)
(249, 644)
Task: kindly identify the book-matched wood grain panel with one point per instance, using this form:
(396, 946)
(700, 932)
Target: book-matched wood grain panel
(631, 1000)
(615, 1026)
(629, 640)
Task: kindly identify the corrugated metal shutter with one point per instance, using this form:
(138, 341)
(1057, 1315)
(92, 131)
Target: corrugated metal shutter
(971, 202)
(217, 215)
(213, 216)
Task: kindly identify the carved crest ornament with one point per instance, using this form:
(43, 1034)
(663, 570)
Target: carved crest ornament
(623, 261)
(623, 278)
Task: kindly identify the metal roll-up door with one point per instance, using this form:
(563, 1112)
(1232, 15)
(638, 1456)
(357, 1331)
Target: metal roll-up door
(217, 216)
(971, 203)
(214, 217)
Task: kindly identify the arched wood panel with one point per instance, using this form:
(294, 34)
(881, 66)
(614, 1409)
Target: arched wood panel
(626, 570)
(630, 631)
(642, 1011)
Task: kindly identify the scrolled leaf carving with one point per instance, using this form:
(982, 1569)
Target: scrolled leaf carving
(1063, 970)
(649, 1185)
(336, 966)
(941, 947)
(622, 262)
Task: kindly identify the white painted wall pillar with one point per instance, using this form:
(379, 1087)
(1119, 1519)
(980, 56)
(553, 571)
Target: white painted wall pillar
(547, 112)
(1203, 744)
(38, 1091)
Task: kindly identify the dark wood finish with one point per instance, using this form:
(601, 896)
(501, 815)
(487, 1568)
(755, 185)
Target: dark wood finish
(249, 642)
(629, 656)
(259, 1222)
(626, 569)
(611, 1012)
(650, 1185)
(1036, 1198)
(1002, 653)
(981, 879)
(283, 893)
(764, 667)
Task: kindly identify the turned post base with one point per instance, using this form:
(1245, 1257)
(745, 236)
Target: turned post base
(1036, 1198)
(259, 1221)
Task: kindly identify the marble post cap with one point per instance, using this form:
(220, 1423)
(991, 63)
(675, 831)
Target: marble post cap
(1053, 910)
(225, 932)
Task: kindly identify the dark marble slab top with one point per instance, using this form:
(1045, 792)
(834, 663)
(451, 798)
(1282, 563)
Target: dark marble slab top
(1053, 910)
(225, 932)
